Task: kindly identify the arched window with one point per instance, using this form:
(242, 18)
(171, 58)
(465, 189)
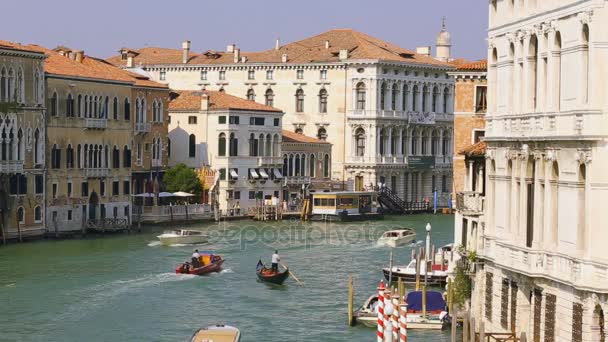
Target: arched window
(585, 64)
(300, 101)
(296, 164)
(115, 157)
(322, 134)
(312, 166)
(20, 87)
(361, 96)
(434, 142)
(276, 145)
(435, 99)
(115, 109)
(253, 145)
(37, 214)
(423, 143)
(233, 145)
(326, 166)
(55, 157)
(446, 99)
(360, 142)
(192, 146)
(3, 85)
(557, 57)
(269, 97)
(383, 96)
(106, 156)
(415, 93)
(126, 157)
(290, 165)
(533, 69)
(285, 163)
(382, 147)
(323, 101)
(137, 110)
(303, 165)
(394, 97)
(425, 95)
(127, 109)
(299, 130)
(53, 104)
(221, 146)
(160, 108)
(105, 108)
(250, 95)
(37, 147)
(414, 144)
(69, 106)
(268, 148)
(446, 143)
(21, 215)
(20, 145)
(69, 158)
(80, 104)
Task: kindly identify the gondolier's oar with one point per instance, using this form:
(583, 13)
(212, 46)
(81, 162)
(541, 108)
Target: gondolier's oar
(293, 275)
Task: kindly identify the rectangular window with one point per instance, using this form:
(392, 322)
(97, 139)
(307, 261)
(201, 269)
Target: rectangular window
(102, 188)
(203, 75)
(323, 74)
(54, 190)
(251, 75)
(237, 195)
(233, 120)
(126, 187)
(277, 122)
(477, 135)
(85, 189)
(222, 75)
(255, 121)
(127, 212)
(222, 174)
(481, 102)
(269, 74)
(69, 189)
(69, 215)
(221, 119)
(115, 186)
(192, 120)
(39, 184)
(163, 75)
(300, 74)
(251, 195)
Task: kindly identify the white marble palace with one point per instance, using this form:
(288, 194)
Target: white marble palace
(387, 111)
(545, 263)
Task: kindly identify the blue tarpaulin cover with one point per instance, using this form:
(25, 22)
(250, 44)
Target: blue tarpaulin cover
(434, 301)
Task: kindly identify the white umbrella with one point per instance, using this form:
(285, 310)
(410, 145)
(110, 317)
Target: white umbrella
(165, 194)
(145, 194)
(182, 194)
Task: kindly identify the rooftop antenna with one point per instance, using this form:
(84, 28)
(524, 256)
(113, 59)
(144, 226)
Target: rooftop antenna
(443, 19)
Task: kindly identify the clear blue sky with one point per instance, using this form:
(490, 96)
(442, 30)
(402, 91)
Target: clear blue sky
(101, 28)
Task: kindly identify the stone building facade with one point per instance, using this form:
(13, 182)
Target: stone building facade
(542, 247)
(22, 128)
(336, 86)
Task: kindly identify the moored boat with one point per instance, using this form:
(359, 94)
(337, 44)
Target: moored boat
(217, 333)
(183, 236)
(268, 275)
(437, 275)
(398, 237)
(208, 263)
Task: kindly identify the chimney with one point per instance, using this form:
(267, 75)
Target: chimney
(230, 48)
(424, 50)
(130, 61)
(185, 51)
(243, 59)
(327, 44)
(237, 55)
(79, 56)
(284, 58)
(204, 101)
(277, 44)
(343, 55)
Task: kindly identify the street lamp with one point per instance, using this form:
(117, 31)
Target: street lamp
(426, 267)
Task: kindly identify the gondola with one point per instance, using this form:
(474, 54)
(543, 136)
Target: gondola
(267, 275)
(208, 263)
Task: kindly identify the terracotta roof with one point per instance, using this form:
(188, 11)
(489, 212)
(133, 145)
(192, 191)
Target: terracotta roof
(191, 100)
(459, 61)
(309, 50)
(481, 65)
(16, 46)
(144, 81)
(475, 150)
(289, 136)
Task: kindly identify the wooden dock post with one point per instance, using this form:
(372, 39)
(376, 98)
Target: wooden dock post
(19, 231)
(351, 298)
(482, 332)
(454, 327)
(401, 290)
(522, 337)
(465, 327)
(450, 297)
(432, 256)
(472, 329)
(418, 257)
(424, 301)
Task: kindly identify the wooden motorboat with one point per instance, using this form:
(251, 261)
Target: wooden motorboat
(217, 333)
(447, 251)
(437, 275)
(268, 275)
(208, 263)
(182, 236)
(436, 317)
(398, 237)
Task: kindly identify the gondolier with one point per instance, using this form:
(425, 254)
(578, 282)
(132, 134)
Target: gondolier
(275, 261)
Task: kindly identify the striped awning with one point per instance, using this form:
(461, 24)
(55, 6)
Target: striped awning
(253, 174)
(263, 174)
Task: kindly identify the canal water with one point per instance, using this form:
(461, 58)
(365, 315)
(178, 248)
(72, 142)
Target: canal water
(123, 288)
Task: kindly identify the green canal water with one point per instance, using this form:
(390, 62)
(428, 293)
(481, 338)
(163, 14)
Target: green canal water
(122, 287)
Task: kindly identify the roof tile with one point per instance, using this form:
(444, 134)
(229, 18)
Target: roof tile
(191, 100)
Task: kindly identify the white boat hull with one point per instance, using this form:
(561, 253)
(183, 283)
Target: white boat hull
(182, 240)
(392, 242)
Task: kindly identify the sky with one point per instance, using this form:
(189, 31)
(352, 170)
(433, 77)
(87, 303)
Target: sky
(102, 28)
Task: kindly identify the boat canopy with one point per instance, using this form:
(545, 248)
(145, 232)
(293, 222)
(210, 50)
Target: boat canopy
(434, 301)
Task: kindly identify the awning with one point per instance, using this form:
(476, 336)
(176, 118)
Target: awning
(263, 174)
(182, 194)
(233, 174)
(165, 194)
(253, 174)
(145, 194)
(277, 174)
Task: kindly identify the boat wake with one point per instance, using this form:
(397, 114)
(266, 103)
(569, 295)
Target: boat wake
(228, 270)
(154, 243)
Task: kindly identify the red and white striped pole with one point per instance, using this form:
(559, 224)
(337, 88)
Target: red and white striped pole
(388, 314)
(381, 289)
(396, 313)
(403, 322)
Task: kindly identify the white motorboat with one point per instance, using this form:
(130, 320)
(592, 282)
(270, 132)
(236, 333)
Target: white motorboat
(398, 237)
(447, 251)
(437, 275)
(183, 236)
(217, 333)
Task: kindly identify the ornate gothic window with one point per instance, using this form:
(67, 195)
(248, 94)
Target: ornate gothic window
(300, 101)
(269, 96)
(323, 101)
(361, 94)
(360, 142)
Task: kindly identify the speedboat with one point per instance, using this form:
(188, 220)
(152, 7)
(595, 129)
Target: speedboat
(437, 275)
(183, 236)
(207, 263)
(447, 251)
(399, 237)
(217, 333)
(436, 316)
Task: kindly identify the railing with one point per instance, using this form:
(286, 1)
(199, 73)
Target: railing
(444, 160)
(469, 202)
(142, 127)
(359, 113)
(377, 159)
(422, 118)
(297, 180)
(96, 172)
(171, 212)
(95, 123)
(11, 166)
(157, 163)
(262, 161)
(108, 224)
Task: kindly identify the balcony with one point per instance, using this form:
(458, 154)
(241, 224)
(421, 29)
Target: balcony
(11, 166)
(297, 180)
(96, 172)
(360, 113)
(95, 123)
(142, 127)
(157, 163)
(469, 203)
(443, 161)
(392, 160)
(270, 161)
(422, 118)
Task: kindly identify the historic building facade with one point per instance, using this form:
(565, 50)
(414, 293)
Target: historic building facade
(543, 247)
(239, 138)
(337, 86)
(22, 127)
